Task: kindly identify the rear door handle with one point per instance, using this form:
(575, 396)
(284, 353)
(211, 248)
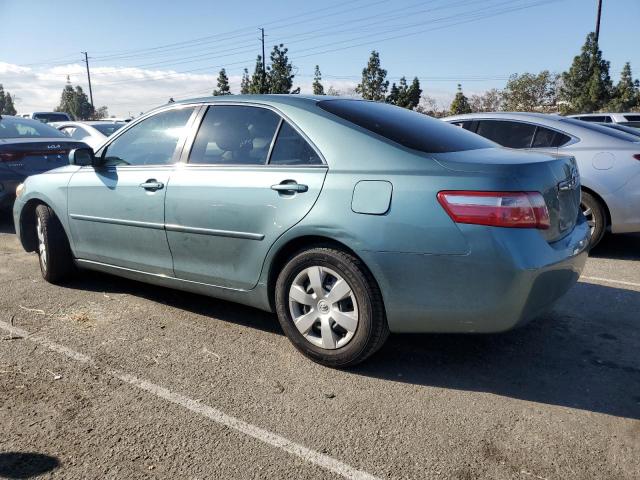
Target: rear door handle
(152, 185)
(290, 187)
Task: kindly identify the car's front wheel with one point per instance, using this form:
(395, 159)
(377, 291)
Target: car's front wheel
(56, 262)
(594, 213)
(330, 307)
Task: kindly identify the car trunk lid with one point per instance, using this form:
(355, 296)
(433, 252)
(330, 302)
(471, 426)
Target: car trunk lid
(24, 157)
(554, 176)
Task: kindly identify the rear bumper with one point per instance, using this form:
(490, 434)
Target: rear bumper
(509, 277)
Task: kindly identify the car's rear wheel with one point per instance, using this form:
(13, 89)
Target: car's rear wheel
(56, 262)
(594, 213)
(330, 307)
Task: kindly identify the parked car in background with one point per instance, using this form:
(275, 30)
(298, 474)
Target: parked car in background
(93, 133)
(348, 218)
(622, 128)
(28, 147)
(608, 160)
(47, 117)
(628, 119)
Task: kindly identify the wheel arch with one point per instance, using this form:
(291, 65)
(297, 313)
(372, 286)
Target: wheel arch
(298, 244)
(28, 235)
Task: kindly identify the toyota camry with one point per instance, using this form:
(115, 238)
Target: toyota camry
(349, 219)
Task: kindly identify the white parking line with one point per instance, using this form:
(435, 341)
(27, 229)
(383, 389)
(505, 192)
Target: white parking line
(207, 411)
(608, 280)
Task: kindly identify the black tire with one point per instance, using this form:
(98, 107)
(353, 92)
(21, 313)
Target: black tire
(56, 261)
(593, 209)
(372, 329)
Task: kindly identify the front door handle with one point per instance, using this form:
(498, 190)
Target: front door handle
(290, 187)
(152, 185)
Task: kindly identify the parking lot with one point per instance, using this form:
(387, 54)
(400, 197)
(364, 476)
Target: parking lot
(109, 378)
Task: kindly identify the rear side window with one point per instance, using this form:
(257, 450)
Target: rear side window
(234, 135)
(547, 138)
(408, 128)
(506, 133)
(291, 149)
(595, 118)
(15, 127)
(51, 117)
(632, 118)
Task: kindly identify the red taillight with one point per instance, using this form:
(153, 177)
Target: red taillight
(637, 156)
(496, 209)
(8, 157)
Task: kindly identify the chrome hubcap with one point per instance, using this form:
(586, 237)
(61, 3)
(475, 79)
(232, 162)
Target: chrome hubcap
(42, 248)
(323, 307)
(588, 214)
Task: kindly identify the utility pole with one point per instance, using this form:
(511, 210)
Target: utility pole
(264, 61)
(86, 61)
(598, 21)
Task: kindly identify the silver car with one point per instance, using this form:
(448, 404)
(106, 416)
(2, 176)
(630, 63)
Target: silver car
(628, 119)
(93, 133)
(608, 160)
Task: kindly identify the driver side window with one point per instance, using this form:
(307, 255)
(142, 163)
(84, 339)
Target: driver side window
(151, 142)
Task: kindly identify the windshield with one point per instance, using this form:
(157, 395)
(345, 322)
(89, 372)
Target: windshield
(601, 129)
(51, 117)
(15, 127)
(107, 128)
(406, 127)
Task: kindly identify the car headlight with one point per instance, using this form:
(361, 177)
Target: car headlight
(19, 190)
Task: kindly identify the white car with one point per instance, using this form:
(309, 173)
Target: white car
(93, 133)
(628, 119)
(608, 160)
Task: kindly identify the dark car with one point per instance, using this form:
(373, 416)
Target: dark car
(28, 147)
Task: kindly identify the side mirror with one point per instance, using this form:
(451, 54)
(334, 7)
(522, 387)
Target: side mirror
(83, 157)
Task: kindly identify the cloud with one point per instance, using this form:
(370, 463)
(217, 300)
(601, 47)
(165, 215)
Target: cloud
(129, 91)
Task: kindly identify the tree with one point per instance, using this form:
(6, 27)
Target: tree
(280, 75)
(374, 84)
(333, 92)
(429, 106)
(626, 94)
(460, 103)
(489, 101)
(530, 92)
(245, 83)
(84, 109)
(223, 84)
(403, 95)
(586, 86)
(75, 103)
(6, 103)
(318, 89)
(102, 112)
(258, 83)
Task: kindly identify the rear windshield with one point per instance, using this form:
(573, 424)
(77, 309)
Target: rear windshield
(601, 129)
(108, 128)
(408, 128)
(15, 127)
(631, 124)
(51, 117)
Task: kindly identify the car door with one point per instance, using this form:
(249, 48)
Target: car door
(116, 210)
(251, 175)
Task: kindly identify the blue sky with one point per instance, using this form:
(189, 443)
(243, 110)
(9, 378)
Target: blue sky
(475, 42)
